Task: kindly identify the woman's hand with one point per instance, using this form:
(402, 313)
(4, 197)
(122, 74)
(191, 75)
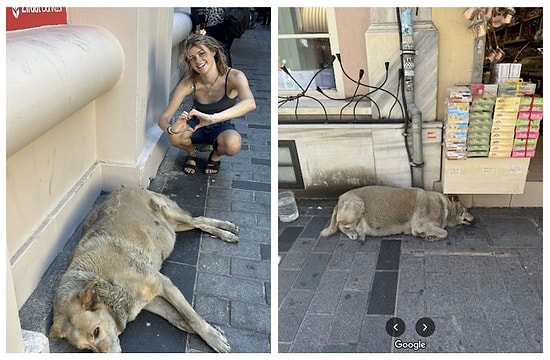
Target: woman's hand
(204, 119)
(181, 124)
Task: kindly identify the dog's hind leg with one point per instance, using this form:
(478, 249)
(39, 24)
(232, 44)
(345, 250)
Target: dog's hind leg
(225, 225)
(215, 338)
(217, 232)
(183, 221)
(224, 230)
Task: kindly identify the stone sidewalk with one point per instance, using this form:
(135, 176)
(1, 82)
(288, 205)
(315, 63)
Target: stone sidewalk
(481, 287)
(228, 284)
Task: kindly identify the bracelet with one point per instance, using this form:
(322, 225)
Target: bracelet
(169, 131)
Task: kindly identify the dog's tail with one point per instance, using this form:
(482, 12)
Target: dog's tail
(332, 228)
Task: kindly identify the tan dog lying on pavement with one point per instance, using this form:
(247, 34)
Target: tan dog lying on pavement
(382, 211)
(114, 272)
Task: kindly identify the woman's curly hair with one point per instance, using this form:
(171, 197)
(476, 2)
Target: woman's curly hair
(209, 42)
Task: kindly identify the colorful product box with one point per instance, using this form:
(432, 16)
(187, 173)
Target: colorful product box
(502, 70)
(531, 115)
(523, 154)
(515, 71)
(478, 153)
(526, 89)
(458, 107)
(502, 128)
(530, 100)
(525, 147)
(477, 90)
(499, 154)
(524, 122)
(452, 119)
(535, 108)
(480, 115)
(506, 89)
(459, 94)
(527, 128)
(525, 142)
(456, 155)
(474, 141)
(490, 90)
(456, 146)
(527, 135)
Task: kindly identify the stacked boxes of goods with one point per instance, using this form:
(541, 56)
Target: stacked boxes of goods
(527, 126)
(456, 122)
(481, 120)
(504, 125)
(506, 72)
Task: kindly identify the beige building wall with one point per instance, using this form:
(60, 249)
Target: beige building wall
(352, 24)
(456, 52)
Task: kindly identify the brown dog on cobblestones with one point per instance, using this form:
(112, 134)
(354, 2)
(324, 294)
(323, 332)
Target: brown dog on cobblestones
(114, 272)
(383, 211)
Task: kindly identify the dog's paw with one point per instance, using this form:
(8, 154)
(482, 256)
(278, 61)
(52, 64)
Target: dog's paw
(230, 237)
(218, 341)
(235, 229)
(432, 238)
(231, 227)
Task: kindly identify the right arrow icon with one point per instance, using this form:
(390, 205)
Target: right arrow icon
(425, 327)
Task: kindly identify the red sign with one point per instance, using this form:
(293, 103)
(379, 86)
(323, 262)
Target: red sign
(28, 17)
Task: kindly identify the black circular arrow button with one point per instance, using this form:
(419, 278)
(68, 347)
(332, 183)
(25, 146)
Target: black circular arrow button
(395, 327)
(425, 327)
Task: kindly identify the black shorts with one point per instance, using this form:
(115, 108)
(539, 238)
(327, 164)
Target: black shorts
(208, 134)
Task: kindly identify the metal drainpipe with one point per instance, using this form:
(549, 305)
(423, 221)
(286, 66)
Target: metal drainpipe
(407, 57)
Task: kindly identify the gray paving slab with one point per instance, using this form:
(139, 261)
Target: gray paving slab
(482, 286)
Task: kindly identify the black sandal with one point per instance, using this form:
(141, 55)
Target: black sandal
(213, 167)
(191, 169)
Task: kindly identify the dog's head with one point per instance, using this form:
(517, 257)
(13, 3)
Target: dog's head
(458, 214)
(350, 214)
(86, 322)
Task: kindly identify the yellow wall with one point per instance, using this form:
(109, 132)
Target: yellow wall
(456, 49)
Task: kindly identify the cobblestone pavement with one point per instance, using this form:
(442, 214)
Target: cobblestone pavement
(481, 287)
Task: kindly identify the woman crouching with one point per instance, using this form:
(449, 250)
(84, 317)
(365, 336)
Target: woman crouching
(219, 94)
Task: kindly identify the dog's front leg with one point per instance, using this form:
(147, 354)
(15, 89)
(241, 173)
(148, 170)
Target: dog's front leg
(430, 232)
(164, 309)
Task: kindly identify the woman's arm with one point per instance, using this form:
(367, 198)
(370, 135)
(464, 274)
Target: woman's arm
(182, 90)
(237, 85)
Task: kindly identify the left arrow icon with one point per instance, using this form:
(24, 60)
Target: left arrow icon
(395, 327)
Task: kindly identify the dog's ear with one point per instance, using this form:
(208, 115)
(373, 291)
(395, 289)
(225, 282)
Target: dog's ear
(88, 297)
(56, 330)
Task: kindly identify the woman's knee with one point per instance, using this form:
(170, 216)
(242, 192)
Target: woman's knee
(230, 144)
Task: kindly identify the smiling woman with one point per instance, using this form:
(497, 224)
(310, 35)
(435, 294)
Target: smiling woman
(215, 89)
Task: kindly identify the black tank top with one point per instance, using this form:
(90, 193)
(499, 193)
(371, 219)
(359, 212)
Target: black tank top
(224, 103)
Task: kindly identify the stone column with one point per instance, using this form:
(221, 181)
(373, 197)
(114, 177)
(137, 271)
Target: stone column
(383, 45)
